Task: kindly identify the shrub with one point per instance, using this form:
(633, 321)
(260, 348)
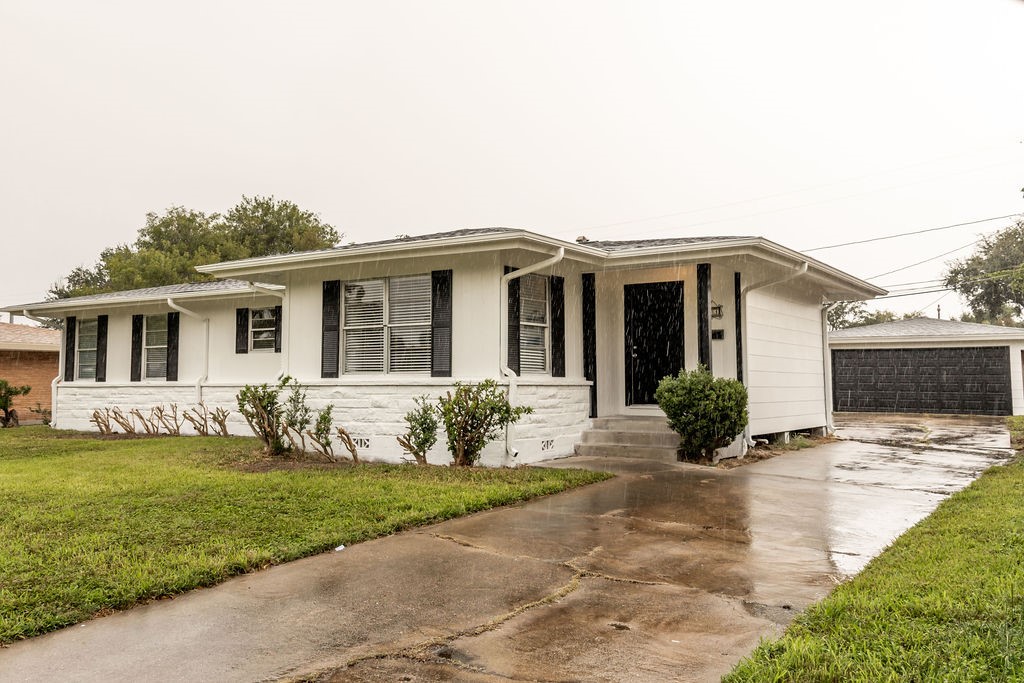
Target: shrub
(321, 432)
(9, 416)
(475, 415)
(296, 416)
(260, 405)
(421, 435)
(708, 412)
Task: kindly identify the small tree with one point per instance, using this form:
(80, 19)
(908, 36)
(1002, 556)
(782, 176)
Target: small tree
(9, 416)
(475, 415)
(707, 412)
(296, 416)
(421, 435)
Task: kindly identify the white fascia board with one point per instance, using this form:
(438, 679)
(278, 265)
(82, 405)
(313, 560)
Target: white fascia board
(896, 342)
(465, 244)
(26, 346)
(754, 246)
(61, 305)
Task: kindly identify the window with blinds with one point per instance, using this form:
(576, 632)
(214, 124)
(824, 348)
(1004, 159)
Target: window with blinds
(386, 325)
(533, 324)
(262, 329)
(154, 348)
(87, 336)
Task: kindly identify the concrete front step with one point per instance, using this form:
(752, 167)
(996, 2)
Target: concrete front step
(632, 424)
(606, 450)
(665, 438)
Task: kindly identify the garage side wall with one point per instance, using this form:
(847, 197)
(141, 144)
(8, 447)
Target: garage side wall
(786, 379)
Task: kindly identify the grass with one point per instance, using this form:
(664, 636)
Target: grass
(945, 602)
(90, 525)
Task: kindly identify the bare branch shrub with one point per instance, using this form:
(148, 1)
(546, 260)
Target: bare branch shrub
(101, 418)
(127, 422)
(346, 441)
(199, 418)
(220, 418)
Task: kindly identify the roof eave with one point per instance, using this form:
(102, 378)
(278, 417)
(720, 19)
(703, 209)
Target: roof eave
(51, 307)
(29, 346)
(485, 242)
(925, 339)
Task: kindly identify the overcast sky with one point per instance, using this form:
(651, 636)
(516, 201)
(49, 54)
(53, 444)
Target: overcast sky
(806, 122)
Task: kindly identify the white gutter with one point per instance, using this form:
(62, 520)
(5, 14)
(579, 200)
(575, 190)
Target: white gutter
(206, 345)
(826, 360)
(506, 371)
(800, 270)
(260, 289)
(60, 369)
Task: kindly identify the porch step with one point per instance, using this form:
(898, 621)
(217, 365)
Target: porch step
(608, 450)
(630, 437)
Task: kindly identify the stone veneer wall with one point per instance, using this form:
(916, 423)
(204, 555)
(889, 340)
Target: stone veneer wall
(371, 412)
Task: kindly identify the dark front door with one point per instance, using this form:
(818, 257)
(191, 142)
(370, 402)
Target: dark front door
(654, 337)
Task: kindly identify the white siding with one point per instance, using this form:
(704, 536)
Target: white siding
(785, 377)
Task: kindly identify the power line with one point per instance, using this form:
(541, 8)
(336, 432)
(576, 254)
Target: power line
(933, 258)
(913, 232)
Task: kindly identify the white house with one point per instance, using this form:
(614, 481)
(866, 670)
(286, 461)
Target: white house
(925, 365)
(576, 330)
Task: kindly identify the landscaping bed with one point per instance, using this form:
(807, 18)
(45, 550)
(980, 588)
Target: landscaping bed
(945, 602)
(88, 525)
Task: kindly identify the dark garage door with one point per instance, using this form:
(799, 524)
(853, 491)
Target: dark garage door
(964, 381)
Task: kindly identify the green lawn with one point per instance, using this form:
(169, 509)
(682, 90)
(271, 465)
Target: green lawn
(945, 602)
(88, 525)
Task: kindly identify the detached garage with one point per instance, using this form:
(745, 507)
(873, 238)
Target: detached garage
(926, 365)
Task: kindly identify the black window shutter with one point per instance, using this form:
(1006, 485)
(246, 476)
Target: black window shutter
(136, 348)
(738, 293)
(590, 337)
(330, 329)
(70, 326)
(277, 329)
(172, 346)
(703, 317)
(513, 322)
(441, 323)
(557, 295)
(101, 348)
(241, 330)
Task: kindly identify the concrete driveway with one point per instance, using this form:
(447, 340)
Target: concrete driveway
(667, 572)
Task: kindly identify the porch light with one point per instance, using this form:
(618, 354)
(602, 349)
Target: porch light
(716, 310)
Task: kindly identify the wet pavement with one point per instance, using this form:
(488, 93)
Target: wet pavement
(667, 572)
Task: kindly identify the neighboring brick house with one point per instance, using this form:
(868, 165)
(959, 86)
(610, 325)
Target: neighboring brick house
(29, 355)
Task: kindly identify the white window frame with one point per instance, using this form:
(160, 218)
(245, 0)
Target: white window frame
(545, 326)
(253, 330)
(80, 347)
(146, 347)
(386, 326)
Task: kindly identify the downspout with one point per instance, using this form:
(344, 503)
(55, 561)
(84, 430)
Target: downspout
(206, 345)
(60, 367)
(826, 359)
(797, 272)
(506, 371)
(259, 289)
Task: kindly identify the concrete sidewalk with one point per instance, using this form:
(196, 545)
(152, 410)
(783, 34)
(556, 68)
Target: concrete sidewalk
(667, 572)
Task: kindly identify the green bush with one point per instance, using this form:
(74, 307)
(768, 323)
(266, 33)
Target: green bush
(262, 408)
(708, 412)
(475, 415)
(9, 416)
(421, 435)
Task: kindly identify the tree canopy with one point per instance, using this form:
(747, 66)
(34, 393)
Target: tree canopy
(991, 280)
(846, 314)
(170, 245)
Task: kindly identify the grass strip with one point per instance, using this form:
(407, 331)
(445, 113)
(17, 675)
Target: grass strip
(945, 602)
(90, 525)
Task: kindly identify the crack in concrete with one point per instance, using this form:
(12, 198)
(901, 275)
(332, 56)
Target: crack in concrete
(423, 651)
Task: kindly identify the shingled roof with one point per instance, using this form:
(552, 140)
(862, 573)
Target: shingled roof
(150, 293)
(924, 327)
(28, 338)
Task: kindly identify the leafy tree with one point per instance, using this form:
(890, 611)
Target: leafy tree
(1005, 318)
(991, 280)
(845, 314)
(170, 245)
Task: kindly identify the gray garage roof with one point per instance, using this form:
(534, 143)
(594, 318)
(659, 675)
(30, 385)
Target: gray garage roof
(925, 328)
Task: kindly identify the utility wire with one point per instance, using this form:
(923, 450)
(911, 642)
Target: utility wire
(913, 232)
(933, 258)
